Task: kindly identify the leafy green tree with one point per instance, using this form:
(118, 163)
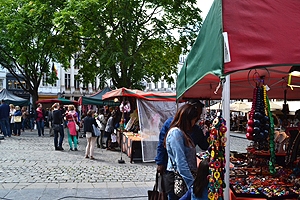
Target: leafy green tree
(29, 41)
(129, 41)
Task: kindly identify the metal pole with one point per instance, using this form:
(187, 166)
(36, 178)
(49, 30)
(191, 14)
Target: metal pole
(226, 115)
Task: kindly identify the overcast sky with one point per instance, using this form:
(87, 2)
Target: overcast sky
(204, 6)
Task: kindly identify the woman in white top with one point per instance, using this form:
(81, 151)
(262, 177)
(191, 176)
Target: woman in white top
(101, 123)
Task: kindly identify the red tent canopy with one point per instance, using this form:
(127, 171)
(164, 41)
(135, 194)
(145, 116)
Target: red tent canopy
(261, 35)
(150, 96)
(122, 92)
(160, 96)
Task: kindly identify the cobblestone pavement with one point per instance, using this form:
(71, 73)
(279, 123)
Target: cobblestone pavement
(32, 169)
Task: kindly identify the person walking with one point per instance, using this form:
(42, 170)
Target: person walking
(12, 120)
(72, 120)
(4, 119)
(88, 122)
(57, 126)
(40, 113)
(18, 121)
(102, 124)
(31, 118)
(25, 116)
(50, 121)
(109, 128)
(180, 146)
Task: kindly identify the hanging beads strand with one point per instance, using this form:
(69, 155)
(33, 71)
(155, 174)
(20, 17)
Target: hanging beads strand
(249, 134)
(217, 141)
(271, 138)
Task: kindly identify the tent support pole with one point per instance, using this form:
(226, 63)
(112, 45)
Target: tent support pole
(226, 115)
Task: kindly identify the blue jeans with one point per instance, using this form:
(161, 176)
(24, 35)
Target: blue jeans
(5, 127)
(61, 138)
(31, 123)
(40, 127)
(17, 128)
(24, 123)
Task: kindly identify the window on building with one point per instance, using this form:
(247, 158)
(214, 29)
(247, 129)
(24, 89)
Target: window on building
(17, 85)
(44, 80)
(1, 83)
(11, 84)
(149, 86)
(24, 84)
(76, 84)
(155, 85)
(76, 57)
(162, 84)
(67, 81)
(94, 84)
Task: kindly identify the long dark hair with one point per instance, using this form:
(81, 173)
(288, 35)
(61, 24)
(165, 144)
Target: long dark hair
(201, 181)
(183, 120)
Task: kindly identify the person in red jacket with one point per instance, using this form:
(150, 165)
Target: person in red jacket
(40, 117)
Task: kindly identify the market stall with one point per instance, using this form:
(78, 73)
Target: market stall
(243, 53)
(96, 99)
(152, 109)
(62, 101)
(12, 99)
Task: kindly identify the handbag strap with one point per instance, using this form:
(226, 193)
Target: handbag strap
(174, 166)
(156, 183)
(162, 183)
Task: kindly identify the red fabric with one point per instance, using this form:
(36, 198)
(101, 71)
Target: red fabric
(40, 115)
(262, 33)
(121, 92)
(72, 117)
(150, 96)
(242, 84)
(72, 128)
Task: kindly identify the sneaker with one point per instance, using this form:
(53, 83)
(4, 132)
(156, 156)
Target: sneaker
(75, 149)
(61, 149)
(71, 149)
(86, 156)
(92, 158)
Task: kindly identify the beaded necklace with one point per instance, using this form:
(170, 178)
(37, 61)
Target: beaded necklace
(271, 133)
(261, 124)
(217, 142)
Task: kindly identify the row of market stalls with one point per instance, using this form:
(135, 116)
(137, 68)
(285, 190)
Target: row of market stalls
(152, 110)
(248, 50)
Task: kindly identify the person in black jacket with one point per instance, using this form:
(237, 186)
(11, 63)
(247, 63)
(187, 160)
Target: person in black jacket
(91, 138)
(57, 125)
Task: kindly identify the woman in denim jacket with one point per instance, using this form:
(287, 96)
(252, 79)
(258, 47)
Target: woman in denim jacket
(180, 147)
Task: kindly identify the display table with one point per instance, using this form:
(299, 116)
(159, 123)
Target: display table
(131, 145)
(233, 197)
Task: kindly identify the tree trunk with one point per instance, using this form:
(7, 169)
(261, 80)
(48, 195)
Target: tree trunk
(35, 97)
